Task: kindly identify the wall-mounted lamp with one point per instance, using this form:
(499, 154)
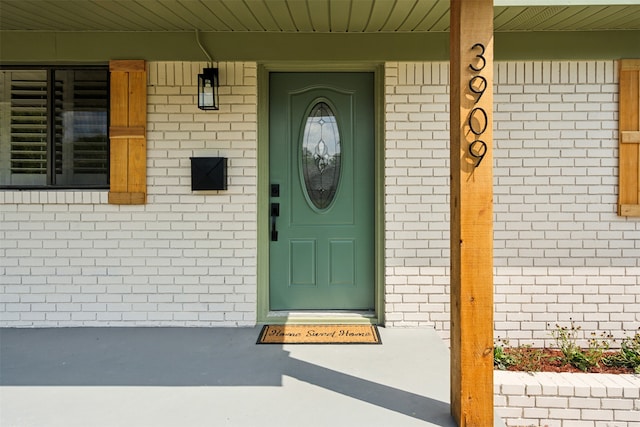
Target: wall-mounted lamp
(208, 89)
(208, 84)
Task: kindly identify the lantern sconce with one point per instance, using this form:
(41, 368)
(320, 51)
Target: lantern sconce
(208, 84)
(208, 89)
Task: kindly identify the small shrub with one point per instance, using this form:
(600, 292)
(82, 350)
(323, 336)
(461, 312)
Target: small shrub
(502, 360)
(628, 356)
(523, 357)
(572, 354)
(529, 359)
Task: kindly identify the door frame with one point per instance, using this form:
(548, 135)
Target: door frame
(264, 315)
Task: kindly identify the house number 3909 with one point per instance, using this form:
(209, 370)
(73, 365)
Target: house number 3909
(478, 119)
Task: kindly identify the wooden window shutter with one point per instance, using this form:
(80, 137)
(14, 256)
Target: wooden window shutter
(629, 98)
(127, 133)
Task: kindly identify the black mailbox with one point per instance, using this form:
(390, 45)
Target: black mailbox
(208, 173)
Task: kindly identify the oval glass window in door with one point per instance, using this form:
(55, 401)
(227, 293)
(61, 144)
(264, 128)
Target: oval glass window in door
(321, 155)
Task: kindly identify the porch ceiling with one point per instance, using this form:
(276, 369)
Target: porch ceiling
(306, 16)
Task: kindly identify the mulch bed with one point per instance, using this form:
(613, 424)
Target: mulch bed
(551, 363)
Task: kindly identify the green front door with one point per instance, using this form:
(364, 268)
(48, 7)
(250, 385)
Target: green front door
(321, 136)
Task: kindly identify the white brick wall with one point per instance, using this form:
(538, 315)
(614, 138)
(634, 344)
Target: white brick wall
(560, 251)
(567, 400)
(70, 259)
(417, 195)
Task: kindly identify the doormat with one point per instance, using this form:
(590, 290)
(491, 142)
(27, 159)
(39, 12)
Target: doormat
(319, 334)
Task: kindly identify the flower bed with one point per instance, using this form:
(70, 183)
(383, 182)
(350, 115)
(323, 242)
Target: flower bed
(568, 356)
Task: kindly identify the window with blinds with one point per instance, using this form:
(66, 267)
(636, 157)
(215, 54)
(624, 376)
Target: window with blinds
(54, 127)
(23, 148)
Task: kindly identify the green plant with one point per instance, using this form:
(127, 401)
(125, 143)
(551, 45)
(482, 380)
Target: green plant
(628, 356)
(529, 359)
(572, 354)
(502, 360)
(523, 357)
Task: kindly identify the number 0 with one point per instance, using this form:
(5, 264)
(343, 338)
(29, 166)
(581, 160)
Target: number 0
(483, 121)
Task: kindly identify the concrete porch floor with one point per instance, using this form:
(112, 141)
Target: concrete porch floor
(185, 377)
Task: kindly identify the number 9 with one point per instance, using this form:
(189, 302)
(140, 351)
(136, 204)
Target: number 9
(477, 150)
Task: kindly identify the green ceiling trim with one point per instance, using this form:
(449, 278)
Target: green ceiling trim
(61, 47)
(499, 3)
(567, 45)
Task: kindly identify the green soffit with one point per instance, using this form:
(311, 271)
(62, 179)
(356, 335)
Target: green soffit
(90, 47)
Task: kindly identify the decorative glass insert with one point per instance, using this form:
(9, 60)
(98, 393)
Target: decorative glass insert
(321, 155)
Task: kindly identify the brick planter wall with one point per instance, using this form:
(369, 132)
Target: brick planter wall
(567, 399)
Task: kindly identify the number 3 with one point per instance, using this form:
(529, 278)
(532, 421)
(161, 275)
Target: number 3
(484, 61)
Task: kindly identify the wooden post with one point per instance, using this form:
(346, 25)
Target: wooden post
(472, 212)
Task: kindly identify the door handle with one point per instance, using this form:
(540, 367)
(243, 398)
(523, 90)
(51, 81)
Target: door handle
(275, 212)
